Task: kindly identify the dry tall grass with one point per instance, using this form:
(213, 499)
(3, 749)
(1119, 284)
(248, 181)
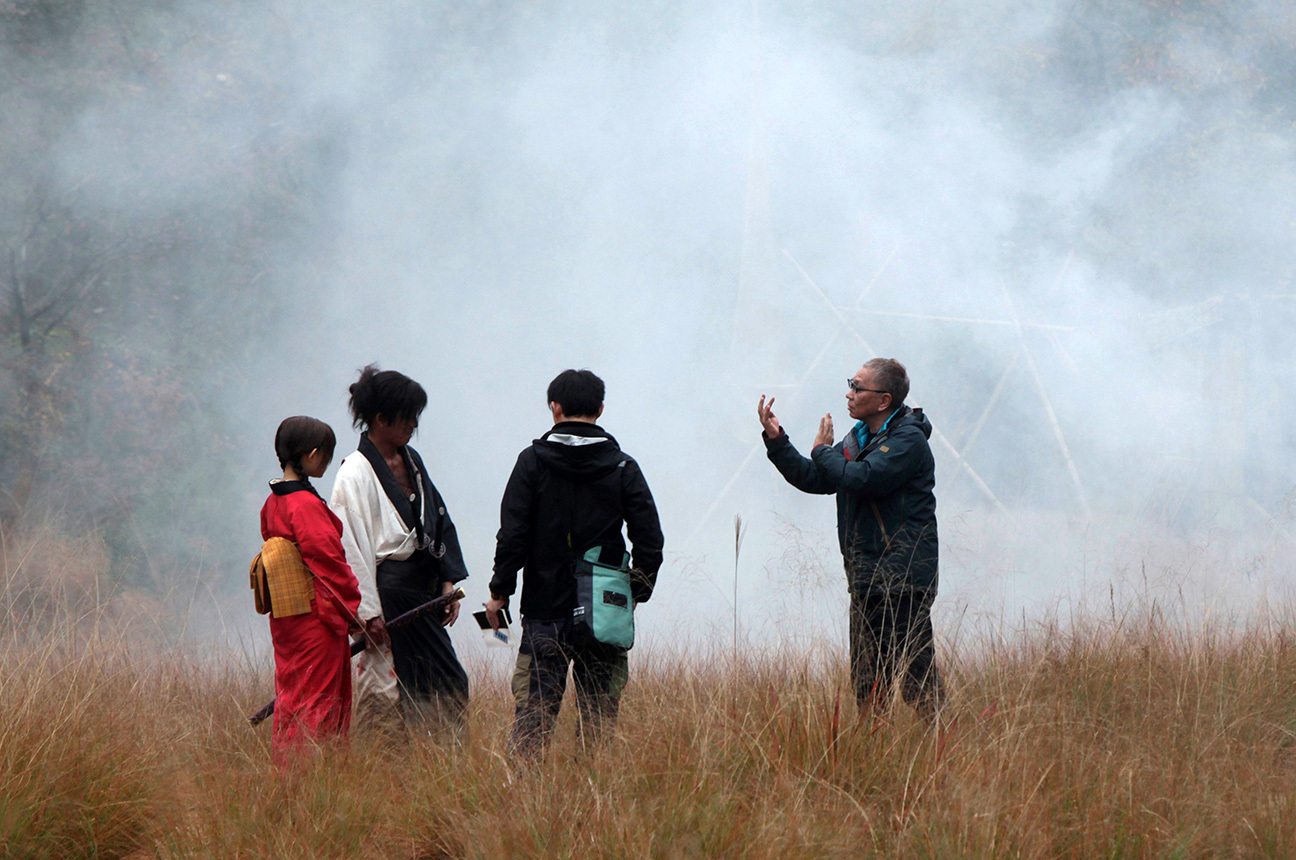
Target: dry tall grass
(1117, 737)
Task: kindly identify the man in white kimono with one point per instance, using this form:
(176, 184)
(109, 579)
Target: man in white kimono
(404, 551)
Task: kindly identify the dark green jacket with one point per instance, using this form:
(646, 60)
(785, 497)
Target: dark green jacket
(886, 508)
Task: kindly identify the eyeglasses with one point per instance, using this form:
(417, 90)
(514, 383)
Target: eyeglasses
(855, 386)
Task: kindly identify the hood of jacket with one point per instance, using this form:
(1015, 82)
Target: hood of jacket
(914, 417)
(578, 451)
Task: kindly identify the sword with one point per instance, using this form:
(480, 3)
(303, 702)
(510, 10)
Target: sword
(437, 604)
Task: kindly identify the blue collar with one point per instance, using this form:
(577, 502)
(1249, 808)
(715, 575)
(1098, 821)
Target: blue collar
(861, 430)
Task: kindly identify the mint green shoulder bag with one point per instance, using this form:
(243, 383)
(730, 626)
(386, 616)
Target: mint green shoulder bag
(604, 605)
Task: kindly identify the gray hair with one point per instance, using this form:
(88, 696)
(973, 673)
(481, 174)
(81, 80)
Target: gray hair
(890, 376)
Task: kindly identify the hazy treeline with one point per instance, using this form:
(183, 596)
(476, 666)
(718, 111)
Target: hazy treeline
(158, 194)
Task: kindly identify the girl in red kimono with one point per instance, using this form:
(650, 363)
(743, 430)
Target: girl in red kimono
(312, 651)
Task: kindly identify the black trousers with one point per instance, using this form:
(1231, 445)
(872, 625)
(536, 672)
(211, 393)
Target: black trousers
(600, 672)
(433, 683)
(890, 639)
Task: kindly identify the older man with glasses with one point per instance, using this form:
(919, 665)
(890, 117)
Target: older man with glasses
(883, 475)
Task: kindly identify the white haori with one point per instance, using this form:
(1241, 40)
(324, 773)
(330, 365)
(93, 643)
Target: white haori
(372, 532)
(372, 528)
(373, 676)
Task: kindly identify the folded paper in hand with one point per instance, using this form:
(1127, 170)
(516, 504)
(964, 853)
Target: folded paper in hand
(501, 637)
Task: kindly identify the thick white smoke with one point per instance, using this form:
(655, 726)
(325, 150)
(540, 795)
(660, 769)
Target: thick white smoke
(1085, 208)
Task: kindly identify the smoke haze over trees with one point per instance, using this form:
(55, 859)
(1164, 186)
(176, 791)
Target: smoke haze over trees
(212, 214)
(149, 220)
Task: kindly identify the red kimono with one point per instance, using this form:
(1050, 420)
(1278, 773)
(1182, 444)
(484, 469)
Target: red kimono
(312, 652)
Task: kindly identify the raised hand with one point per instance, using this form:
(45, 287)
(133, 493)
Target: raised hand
(825, 436)
(767, 418)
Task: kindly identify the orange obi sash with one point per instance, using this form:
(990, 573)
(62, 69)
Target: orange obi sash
(281, 582)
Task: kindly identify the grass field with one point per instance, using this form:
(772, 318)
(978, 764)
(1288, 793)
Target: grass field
(1116, 737)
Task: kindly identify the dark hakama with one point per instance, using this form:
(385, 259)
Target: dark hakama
(414, 555)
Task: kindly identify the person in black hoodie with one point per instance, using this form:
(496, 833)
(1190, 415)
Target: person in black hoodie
(570, 491)
(883, 475)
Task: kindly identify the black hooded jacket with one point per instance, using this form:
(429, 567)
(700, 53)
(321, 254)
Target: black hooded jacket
(886, 507)
(574, 483)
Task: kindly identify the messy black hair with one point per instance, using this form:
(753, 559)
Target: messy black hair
(578, 392)
(298, 436)
(392, 395)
